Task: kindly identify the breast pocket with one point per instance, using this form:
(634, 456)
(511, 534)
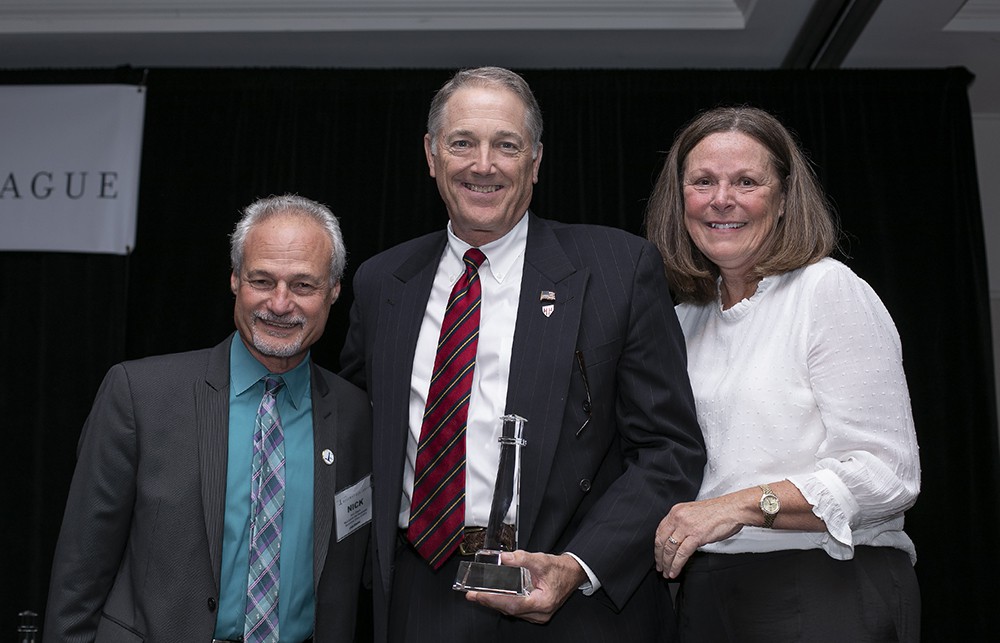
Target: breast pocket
(593, 383)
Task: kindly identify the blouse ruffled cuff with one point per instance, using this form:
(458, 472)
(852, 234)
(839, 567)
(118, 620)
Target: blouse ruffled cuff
(834, 505)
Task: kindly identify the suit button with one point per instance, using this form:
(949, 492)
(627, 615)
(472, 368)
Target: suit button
(586, 406)
(212, 604)
(585, 485)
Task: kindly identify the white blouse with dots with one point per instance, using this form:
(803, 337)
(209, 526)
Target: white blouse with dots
(804, 381)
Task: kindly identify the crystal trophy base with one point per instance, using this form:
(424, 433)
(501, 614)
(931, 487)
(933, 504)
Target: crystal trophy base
(486, 574)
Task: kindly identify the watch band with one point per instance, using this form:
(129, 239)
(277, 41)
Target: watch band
(769, 505)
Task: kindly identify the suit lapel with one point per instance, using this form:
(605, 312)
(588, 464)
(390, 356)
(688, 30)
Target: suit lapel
(542, 359)
(403, 298)
(325, 436)
(211, 396)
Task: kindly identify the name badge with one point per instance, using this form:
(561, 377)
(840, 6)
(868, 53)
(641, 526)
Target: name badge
(354, 507)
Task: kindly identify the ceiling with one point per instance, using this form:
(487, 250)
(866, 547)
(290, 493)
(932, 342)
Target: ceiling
(757, 34)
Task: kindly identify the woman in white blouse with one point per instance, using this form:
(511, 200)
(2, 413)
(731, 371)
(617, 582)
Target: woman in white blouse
(797, 532)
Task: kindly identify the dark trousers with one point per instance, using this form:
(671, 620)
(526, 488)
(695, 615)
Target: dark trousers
(799, 596)
(424, 609)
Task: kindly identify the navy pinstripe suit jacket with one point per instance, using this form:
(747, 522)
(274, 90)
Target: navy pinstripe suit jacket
(599, 494)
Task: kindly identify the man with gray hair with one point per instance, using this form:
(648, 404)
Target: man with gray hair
(224, 494)
(568, 326)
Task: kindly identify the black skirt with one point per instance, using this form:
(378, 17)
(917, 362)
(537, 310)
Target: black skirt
(799, 595)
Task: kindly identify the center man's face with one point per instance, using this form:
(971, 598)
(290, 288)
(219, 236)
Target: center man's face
(483, 163)
(283, 294)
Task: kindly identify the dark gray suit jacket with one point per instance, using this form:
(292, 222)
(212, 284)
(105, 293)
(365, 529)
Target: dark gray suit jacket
(138, 556)
(599, 494)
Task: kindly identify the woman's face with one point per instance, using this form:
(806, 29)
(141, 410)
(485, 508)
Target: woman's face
(732, 200)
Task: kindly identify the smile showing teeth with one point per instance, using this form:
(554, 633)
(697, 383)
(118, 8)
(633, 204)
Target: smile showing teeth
(485, 189)
(278, 324)
(726, 226)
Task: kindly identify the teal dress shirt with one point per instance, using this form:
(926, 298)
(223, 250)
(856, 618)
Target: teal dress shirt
(296, 597)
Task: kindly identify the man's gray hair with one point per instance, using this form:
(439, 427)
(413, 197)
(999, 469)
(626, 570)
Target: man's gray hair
(496, 77)
(263, 209)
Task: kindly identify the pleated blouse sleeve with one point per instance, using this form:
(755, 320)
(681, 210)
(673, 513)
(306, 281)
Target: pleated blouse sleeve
(867, 470)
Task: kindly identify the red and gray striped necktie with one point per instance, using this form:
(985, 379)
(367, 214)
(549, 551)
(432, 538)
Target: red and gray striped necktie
(437, 509)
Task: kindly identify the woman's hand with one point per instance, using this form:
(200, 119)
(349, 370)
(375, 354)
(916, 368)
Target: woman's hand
(689, 525)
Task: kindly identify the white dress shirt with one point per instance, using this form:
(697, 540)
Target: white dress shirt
(500, 278)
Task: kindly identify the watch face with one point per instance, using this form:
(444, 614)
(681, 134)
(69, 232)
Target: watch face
(769, 504)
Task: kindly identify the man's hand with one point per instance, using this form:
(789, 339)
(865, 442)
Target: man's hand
(554, 578)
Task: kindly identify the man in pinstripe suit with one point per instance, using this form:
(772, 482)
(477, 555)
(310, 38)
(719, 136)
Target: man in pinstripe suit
(154, 544)
(578, 335)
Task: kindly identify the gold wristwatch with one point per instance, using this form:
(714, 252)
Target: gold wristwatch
(769, 504)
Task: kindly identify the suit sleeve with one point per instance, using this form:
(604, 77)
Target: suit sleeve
(662, 448)
(352, 355)
(98, 515)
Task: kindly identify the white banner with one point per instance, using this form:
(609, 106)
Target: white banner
(69, 167)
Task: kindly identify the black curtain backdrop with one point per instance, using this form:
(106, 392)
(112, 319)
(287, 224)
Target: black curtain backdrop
(893, 148)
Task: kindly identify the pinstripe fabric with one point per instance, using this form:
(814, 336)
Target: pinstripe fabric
(211, 412)
(153, 457)
(438, 506)
(599, 493)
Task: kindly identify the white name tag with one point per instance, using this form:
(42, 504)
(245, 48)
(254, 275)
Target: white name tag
(354, 507)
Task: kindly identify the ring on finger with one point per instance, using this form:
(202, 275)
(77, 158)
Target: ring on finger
(672, 540)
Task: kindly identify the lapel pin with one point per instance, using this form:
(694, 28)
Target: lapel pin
(328, 456)
(550, 297)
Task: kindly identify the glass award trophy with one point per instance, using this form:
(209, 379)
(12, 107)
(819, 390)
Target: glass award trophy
(485, 573)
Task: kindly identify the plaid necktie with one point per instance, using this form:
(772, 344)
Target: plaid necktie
(267, 500)
(437, 509)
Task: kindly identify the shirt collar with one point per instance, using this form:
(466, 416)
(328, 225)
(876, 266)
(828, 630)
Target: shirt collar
(245, 371)
(500, 254)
